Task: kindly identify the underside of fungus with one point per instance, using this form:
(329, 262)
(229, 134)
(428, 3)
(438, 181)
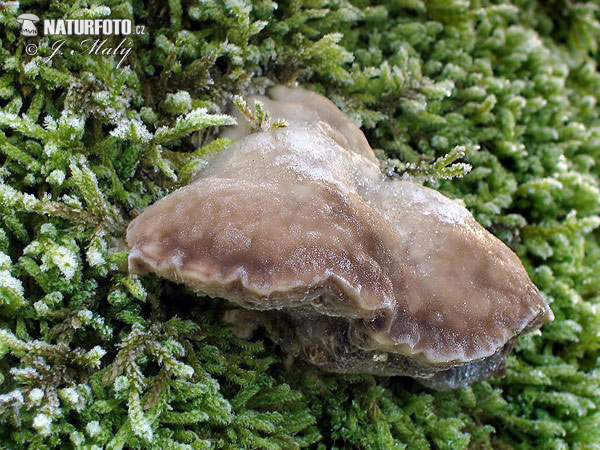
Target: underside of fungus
(345, 268)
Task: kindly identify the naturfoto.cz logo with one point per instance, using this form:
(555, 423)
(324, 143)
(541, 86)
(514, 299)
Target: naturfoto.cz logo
(28, 22)
(82, 27)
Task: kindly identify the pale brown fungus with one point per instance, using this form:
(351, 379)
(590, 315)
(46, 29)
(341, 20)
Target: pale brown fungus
(346, 268)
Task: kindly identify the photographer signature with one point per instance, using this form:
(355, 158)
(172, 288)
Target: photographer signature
(90, 47)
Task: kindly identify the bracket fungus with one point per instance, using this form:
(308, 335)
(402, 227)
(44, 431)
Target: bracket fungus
(345, 268)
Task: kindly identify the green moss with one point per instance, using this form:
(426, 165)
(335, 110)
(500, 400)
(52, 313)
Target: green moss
(92, 356)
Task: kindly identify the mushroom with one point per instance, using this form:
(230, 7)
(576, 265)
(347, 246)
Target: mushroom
(345, 268)
(28, 22)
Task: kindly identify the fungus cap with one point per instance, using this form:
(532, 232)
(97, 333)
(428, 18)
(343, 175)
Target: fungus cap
(369, 274)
